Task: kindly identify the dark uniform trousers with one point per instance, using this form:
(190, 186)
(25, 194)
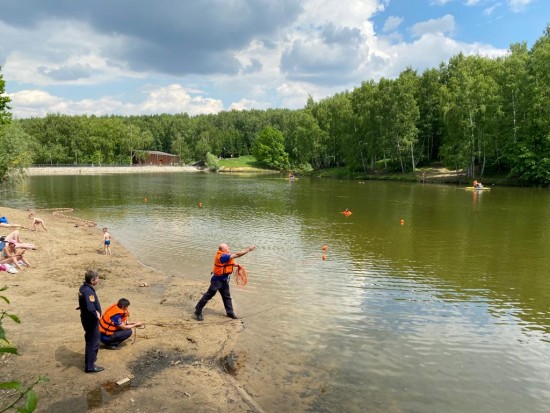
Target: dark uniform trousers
(217, 284)
(91, 336)
(117, 337)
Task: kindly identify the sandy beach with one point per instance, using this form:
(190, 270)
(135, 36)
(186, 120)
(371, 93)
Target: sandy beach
(100, 170)
(175, 364)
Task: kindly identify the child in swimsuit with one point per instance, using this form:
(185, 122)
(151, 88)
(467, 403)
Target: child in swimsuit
(106, 242)
(36, 221)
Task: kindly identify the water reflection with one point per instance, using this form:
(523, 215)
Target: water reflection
(447, 312)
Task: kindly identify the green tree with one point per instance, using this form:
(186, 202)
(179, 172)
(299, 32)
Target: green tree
(16, 154)
(430, 127)
(5, 114)
(270, 148)
(212, 162)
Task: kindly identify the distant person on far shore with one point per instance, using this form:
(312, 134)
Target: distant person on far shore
(478, 184)
(106, 242)
(36, 221)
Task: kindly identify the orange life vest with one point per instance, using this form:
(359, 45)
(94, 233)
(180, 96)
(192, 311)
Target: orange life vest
(222, 269)
(106, 325)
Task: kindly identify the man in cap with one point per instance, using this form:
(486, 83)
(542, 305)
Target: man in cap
(90, 313)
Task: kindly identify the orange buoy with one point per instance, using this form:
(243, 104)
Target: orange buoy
(200, 204)
(324, 257)
(347, 212)
(325, 247)
(402, 222)
(145, 200)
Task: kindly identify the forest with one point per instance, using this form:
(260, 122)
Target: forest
(482, 115)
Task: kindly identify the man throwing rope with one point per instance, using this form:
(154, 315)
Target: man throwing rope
(223, 268)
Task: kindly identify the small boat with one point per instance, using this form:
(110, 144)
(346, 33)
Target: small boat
(475, 188)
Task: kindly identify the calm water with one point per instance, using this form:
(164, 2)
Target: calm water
(448, 312)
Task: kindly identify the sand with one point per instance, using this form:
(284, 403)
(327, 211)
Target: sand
(174, 363)
(102, 170)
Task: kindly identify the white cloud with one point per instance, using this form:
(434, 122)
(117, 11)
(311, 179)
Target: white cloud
(490, 10)
(353, 14)
(444, 25)
(426, 52)
(174, 99)
(519, 5)
(170, 99)
(246, 104)
(392, 23)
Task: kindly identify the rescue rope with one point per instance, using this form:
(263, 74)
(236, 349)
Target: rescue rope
(135, 332)
(200, 324)
(241, 278)
(203, 323)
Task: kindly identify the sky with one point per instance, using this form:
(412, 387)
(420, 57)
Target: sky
(135, 57)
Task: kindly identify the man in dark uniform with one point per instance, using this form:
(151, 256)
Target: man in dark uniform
(90, 312)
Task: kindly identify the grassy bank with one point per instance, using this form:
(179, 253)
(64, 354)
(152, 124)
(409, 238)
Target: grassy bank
(432, 174)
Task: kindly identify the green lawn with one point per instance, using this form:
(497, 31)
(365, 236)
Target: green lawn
(247, 161)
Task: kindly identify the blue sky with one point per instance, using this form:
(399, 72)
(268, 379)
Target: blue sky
(134, 57)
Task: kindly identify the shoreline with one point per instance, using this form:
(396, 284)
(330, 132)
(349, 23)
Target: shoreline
(104, 170)
(173, 364)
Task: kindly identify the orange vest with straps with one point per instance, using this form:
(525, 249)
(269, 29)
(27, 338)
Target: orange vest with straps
(106, 325)
(222, 269)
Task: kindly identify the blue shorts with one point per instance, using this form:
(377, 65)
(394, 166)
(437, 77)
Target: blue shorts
(107, 242)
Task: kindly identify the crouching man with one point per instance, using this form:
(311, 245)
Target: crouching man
(114, 326)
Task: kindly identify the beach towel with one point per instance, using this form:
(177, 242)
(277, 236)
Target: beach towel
(3, 267)
(11, 268)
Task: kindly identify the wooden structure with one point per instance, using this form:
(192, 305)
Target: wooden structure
(154, 158)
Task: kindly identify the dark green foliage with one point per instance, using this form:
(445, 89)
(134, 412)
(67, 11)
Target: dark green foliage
(16, 153)
(5, 114)
(270, 148)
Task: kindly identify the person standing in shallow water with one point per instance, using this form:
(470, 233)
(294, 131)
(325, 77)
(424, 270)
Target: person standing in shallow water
(90, 313)
(223, 268)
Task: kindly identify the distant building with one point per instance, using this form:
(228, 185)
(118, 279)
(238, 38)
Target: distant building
(154, 158)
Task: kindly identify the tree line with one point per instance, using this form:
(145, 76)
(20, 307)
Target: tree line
(484, 115)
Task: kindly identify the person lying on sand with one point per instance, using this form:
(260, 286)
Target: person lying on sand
(16, 236)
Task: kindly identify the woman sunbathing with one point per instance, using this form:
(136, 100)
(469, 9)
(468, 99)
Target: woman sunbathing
(12, 255)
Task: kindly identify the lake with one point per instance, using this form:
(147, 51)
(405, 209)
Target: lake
(429, 298)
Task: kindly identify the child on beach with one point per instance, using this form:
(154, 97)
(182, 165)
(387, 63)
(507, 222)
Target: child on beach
(106, 242)
(36, 221)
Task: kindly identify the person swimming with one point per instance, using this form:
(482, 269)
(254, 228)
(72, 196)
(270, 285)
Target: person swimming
(347, 212)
